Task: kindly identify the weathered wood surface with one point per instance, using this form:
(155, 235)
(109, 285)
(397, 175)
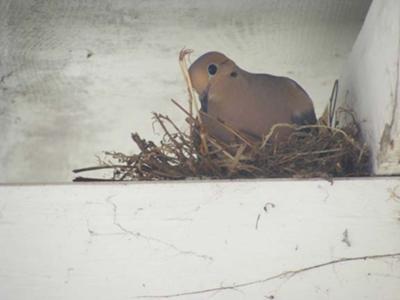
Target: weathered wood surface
(219, 240)
(370, 84)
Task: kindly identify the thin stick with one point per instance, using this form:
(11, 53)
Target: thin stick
(180, 133)
(271, 132)
(237, 158)
(332, 105)
(192, 101)
(178, 147)
(133, 166)
(298, 128)
(184, 110)
(182, 63)
(99, 168)
(88, 179)
(219, 147)
(230, 129)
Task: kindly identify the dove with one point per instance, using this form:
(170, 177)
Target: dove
(250, 103)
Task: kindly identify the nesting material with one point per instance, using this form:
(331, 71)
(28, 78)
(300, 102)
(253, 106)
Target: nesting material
(310, 151)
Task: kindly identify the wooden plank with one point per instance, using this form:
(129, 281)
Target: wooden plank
(370, 84)
(195, 240)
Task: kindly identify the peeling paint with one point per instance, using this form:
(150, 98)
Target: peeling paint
(371, 83)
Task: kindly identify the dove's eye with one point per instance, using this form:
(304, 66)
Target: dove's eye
(212, 69)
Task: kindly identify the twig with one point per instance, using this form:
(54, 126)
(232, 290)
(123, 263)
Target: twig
(272, 130)
(237, 159)
(88, 179)
(332, 105)
(192, 101)
(219, 147)
(184, 110)
(131, 168)
(99, 168)
(182, 62)
(298, 128)
(179, 132)
(230, 129)
(178, 147)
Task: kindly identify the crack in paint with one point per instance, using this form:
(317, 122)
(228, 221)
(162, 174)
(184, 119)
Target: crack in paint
(139, 235)
(386, 140)
(345, 238)
(283, 275)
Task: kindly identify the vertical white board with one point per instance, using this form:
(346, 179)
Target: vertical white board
(370, 84)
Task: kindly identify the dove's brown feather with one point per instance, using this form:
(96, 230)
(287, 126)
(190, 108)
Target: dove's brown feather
(248, 102)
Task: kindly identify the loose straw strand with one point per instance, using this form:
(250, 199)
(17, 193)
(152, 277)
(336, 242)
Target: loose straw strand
(192, 100)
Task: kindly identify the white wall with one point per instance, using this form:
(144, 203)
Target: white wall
(59, 108)
(121, 241)
(370, 84)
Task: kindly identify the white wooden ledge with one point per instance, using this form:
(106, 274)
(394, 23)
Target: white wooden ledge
(200, 240)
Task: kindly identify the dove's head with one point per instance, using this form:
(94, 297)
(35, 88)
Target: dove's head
(208, 69)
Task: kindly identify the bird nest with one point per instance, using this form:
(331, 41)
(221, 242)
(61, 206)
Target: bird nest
(310, 151)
